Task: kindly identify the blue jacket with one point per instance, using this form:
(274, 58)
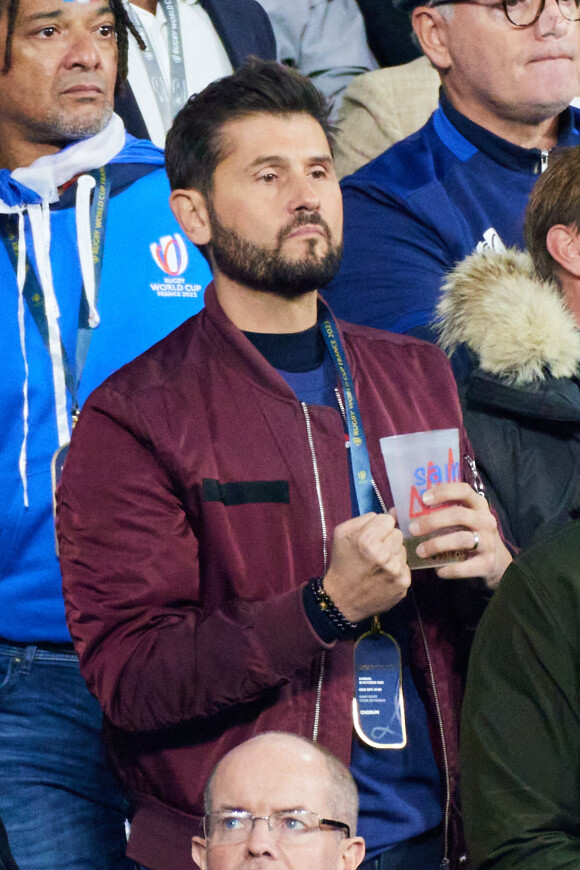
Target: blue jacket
(421, 207)
(152, 280)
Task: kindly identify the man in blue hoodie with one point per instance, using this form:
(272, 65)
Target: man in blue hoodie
(93, 270)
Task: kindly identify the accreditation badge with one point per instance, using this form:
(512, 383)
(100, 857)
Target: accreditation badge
(378, 705)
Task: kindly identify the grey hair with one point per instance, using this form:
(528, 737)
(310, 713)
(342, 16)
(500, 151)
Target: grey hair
(447, 12)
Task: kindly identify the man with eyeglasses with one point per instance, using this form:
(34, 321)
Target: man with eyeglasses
(508, 72)
(280, 799)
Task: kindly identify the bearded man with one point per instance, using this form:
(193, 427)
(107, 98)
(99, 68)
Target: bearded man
(225, 531)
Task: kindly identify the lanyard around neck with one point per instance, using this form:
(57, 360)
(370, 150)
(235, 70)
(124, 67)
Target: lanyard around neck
(169, 102)
(34, 295)
(361, 466)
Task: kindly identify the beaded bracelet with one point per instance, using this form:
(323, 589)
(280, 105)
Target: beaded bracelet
(329, 608)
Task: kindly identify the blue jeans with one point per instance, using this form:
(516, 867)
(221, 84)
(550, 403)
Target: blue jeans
(62, 807)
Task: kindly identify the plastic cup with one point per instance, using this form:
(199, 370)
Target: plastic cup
(416, 462)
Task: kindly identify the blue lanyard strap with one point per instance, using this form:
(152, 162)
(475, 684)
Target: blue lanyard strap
(359, 454)
(98, 219)
(34, 296)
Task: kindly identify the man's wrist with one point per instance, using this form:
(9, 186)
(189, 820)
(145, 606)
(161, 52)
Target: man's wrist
(327, 613)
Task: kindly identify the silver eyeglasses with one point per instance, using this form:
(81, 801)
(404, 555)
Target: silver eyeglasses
(522, 13)
(286, 826)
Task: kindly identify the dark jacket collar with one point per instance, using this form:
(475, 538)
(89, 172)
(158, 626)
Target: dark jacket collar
(499, 150)
(243, 28)
(239, 352)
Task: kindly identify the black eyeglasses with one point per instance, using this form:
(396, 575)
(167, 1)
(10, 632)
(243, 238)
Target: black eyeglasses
(521, 13)
(287, 826)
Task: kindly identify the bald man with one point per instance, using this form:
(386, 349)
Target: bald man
(281, 798)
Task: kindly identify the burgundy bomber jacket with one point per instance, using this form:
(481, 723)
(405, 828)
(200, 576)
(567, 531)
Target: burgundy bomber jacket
(189, 523)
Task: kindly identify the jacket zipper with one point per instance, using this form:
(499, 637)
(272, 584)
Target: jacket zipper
(306, 413)
(445, 862)
(543, 160)
(476, 481)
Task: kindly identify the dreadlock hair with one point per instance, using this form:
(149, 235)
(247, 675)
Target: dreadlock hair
(123, 26)
(12, 10)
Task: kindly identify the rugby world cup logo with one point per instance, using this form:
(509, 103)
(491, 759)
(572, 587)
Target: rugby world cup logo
(170, 254)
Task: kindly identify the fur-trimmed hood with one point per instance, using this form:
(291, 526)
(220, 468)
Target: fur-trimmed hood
(517, 325)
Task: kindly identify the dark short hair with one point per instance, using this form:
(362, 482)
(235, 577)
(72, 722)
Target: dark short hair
(195, 145)
(123, 27)
(555, 199)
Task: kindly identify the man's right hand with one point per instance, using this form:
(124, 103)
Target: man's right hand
(368, 571)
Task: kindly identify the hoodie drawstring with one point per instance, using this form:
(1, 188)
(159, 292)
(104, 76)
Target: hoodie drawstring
(40, 228)
(85, 185)
(21, 278)
(39, 216)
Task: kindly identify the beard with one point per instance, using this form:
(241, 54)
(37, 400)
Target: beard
(62, 127)
(267, 269)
